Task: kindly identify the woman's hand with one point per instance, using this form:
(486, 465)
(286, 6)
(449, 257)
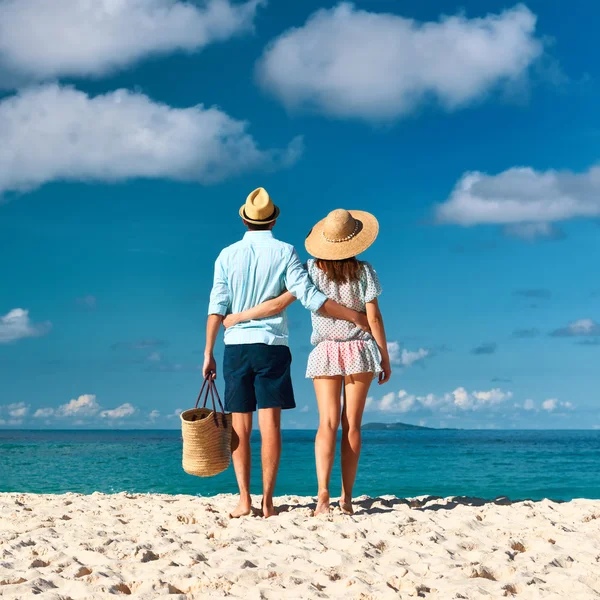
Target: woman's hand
(386, 371)
(231, 320)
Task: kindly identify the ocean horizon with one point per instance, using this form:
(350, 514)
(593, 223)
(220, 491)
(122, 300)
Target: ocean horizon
(519, 464)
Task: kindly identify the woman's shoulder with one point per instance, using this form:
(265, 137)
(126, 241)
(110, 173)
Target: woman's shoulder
(366, 267)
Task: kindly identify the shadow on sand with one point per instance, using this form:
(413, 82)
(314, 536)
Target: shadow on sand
(371, 506)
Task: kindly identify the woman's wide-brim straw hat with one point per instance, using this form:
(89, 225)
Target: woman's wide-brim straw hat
(342, 234)
(259, 208)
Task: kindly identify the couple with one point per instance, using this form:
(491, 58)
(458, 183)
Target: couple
(255, 280)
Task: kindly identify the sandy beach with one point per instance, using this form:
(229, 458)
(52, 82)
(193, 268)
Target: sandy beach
(148, 546)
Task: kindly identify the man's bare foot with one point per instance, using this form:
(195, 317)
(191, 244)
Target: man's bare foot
(243, 509)
(268, 510)
(323, 507)
(346, 506)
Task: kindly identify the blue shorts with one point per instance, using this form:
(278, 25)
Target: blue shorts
(257, 376)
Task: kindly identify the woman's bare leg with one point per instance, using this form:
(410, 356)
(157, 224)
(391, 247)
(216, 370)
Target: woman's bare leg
(356, 389)
(328, 391)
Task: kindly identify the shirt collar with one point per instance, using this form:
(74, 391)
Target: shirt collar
(250, 234)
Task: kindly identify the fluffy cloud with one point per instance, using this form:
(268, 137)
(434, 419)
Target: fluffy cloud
(43, 413)
(351, 63)
(58, 133)
(529, 404)
(16, 324)
(87, 406)
(552, 404)
(125, 410)
(46, 40)
(14, 412)
(84, 406)
(581, 328)
(17, 410)
(458, 400)
(529, 201)
(405, 358)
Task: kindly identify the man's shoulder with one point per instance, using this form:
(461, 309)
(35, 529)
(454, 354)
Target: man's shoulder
(231, 249)
(284, 245)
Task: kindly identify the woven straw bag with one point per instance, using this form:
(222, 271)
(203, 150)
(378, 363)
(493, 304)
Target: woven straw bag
(206, 435)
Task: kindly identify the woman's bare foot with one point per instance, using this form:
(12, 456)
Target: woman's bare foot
(346, 506)
(323, 507)
(243, 508)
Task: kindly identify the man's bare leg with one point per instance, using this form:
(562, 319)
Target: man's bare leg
(240, 452)
(269, 422)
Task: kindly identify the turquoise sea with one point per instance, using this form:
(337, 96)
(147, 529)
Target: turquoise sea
(560, 465)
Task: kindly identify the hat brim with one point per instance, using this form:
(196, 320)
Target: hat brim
(316, 244)
(272, 218)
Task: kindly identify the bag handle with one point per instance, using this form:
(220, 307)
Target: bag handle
(210, 387)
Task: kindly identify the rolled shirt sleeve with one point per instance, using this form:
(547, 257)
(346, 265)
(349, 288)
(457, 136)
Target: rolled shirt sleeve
(298, 283)
(220, 298)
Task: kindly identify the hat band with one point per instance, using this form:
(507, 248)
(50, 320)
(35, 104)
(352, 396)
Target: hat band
(345, 239)
(266, 219)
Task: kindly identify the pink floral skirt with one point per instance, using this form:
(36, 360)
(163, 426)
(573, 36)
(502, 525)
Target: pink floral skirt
(331, 357)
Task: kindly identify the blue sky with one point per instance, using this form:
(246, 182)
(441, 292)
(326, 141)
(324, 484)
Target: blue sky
(131, 134)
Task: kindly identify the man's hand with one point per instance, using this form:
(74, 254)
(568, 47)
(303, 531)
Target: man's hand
(362, 322)
(210, 365)
(230, 321)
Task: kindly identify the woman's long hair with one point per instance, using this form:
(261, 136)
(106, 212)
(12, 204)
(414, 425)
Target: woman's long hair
(340, 271)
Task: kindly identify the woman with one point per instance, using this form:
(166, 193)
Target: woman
(345, 359)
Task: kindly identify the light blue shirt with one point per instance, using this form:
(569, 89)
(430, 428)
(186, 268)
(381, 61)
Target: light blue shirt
(251, 271)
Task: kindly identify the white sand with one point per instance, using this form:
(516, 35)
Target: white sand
(150, 546)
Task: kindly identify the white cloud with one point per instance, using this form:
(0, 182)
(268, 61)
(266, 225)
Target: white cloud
(580, 328)
(404, 357)
(525, 200)
(459, 399)
(155, 357)
(529, 404)
(16, 325)
(84, 406)
(17, 410)
(552, 404)
(58, 133)
(125, 410)
(42, 40)
(43, 413)
(351, 63)
(154, 415)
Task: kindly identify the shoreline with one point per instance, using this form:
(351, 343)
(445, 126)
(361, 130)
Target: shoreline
(145, 545)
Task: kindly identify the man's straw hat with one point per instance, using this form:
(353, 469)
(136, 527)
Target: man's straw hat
(259, 208)
(342, 234)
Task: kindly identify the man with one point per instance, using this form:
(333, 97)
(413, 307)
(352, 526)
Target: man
(256, 363)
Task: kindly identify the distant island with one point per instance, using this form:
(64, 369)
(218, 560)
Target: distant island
(394, 427)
